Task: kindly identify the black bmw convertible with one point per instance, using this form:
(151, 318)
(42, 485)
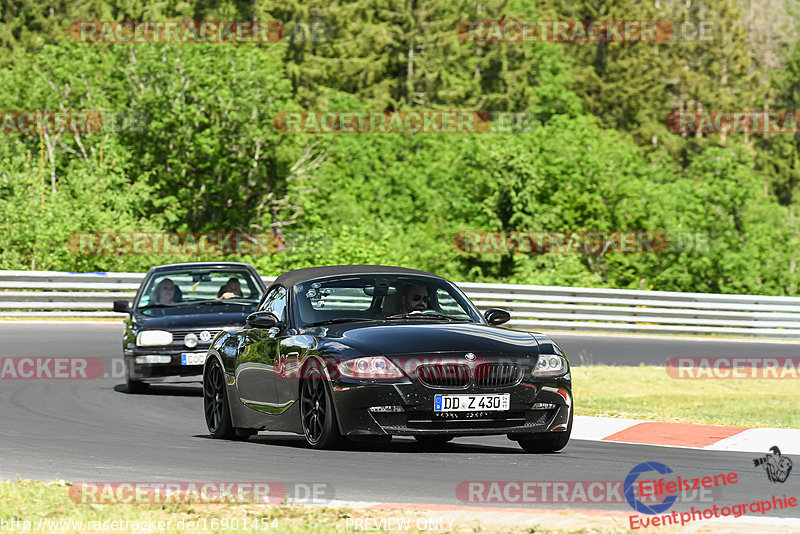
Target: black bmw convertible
(365, 352)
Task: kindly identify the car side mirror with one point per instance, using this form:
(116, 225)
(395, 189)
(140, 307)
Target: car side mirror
(496, 316)
(121, 306)
(262, 319)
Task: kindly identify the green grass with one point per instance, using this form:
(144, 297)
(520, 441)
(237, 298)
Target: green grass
(32, 501)
(647, 392)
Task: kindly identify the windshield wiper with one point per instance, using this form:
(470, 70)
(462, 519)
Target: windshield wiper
(424, 316)
(339, 320)
(155, 306)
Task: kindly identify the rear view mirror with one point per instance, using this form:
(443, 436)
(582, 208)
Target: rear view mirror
(201, 277)
(121, 306)
(380, 290)
(497, 316)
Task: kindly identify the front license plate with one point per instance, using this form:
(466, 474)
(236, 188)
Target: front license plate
(472, 403)
(193, 358)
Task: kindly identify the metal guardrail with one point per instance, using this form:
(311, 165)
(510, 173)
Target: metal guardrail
(544, 308)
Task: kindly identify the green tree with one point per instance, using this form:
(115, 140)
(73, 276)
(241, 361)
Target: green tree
(395, 55)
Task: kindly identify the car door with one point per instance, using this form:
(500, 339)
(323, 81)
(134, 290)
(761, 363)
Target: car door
(255, 369)
(287, 367)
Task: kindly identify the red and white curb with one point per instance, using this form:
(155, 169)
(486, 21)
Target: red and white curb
(710, 437)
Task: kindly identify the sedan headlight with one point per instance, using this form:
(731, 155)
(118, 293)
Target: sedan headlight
(549, 365)
(370, 367)
(152, 338)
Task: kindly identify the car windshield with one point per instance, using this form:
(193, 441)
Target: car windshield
(198, 285)
(390, 298)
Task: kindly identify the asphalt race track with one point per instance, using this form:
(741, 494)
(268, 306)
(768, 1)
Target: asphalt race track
(93, 430)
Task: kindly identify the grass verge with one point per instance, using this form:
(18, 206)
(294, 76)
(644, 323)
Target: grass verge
(47, 507)
(647, 392)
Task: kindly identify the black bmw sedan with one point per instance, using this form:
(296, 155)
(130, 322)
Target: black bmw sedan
(366, 352)
(177, 312)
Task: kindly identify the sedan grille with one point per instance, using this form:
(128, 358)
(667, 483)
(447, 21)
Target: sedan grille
(178, 335)
(444, 375)
(489, 375)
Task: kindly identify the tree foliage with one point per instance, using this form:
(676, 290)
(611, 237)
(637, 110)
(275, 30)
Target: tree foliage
(199, 151)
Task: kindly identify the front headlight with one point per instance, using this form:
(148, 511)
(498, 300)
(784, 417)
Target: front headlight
(549, 365)
(152, 338)
(369, 367)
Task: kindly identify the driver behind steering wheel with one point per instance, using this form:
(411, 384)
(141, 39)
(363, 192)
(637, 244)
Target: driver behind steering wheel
(413, 298)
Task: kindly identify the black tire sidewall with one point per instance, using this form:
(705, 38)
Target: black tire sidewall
(331, 437)
(134, 386)
(225, 429)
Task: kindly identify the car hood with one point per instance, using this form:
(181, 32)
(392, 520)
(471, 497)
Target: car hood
(194, 320)
(427, 338)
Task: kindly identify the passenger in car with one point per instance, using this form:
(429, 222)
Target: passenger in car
(231, 289)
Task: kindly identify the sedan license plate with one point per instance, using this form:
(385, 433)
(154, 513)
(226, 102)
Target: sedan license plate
(470, 403)
(193, 358)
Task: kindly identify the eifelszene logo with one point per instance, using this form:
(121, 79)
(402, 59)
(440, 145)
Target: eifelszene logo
(630, 485)
(658, 495)
(777, 466)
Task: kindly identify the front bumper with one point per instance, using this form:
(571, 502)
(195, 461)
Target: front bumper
(171, 372)
(535, 408)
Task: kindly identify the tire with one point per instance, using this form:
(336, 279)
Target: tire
(134, 386)
(548, 444)
(215, 403)
(433, 442)
(318, 418)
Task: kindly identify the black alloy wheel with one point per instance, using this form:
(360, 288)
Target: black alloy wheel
(316, 411)
(215, 403)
